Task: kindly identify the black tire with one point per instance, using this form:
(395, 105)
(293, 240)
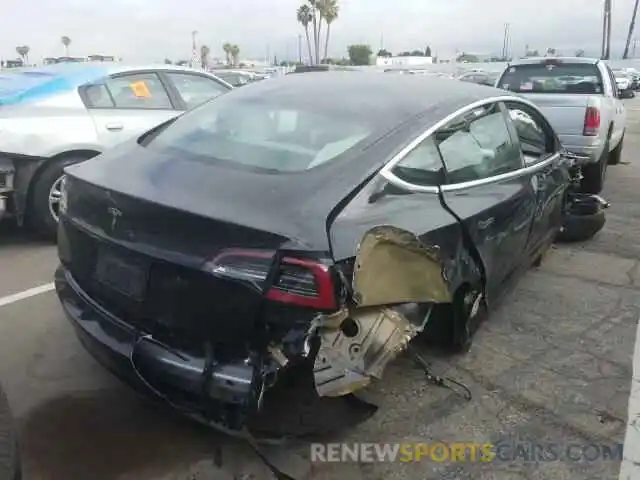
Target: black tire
(38, 214)
(594, 173)
(578, 228)
(9, 460)
(452, 327)
(616, 155)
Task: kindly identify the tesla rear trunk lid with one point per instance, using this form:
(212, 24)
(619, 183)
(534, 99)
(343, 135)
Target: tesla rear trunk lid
(167, 271)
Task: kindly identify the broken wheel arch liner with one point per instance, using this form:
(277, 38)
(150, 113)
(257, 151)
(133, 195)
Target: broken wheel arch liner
(437, 231)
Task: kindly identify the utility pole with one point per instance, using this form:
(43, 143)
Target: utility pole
(632, 25)
(606, 31)
(505, 41)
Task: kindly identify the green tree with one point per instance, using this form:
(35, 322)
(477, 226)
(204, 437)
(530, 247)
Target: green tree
(359, 54)
(204, 56)
(580, 53)
(305, 18)
(235, 54)
(551, 51)
(383, 52)
(329, 10)
(316, 20)
(226, 48)
(427, 51)
(532, 53)
(66, 41)
(167, 61)
(23, 51)
(417, 53)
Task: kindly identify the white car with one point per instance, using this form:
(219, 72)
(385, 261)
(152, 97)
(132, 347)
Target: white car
(58, 115)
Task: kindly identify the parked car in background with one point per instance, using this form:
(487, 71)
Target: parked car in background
(481, 78)
(58, 115)
(237, 78)
(313, 221)
(581, 99)
(624, 82)
(635, 77)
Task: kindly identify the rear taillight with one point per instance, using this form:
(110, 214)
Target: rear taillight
(300, 281)
(591, 122)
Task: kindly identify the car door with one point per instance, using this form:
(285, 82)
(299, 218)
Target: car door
(540, 149)
(488, 189)
(194, 89)
(126, 105)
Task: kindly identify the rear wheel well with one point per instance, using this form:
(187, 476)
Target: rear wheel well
(86, 154)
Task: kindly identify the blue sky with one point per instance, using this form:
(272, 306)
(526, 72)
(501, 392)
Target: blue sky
(145, 30)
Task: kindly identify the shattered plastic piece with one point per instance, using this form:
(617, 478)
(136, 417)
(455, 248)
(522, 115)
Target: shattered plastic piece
(277, 354)
(356, 346)
(393, 267)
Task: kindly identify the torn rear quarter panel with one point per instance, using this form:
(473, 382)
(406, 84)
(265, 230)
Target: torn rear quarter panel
(356, 343)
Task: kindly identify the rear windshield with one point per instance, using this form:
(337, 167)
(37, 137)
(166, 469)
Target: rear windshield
(553, 78)
(279, 137)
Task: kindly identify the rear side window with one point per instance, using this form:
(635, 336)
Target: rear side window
(196, 89)
(478, 146)
(550, 77)
(140, 90)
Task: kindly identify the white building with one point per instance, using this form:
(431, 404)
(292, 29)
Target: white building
(403, 61)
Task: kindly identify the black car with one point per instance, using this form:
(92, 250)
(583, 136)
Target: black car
(9, 459)
(320, 221)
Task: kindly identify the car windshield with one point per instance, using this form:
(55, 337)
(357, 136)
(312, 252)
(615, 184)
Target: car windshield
(553, 77)
(254, 132)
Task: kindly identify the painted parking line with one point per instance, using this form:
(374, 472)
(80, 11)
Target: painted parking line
(32, 292)
(630, 466)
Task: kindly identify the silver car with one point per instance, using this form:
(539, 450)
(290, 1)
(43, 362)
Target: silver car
(58, 115)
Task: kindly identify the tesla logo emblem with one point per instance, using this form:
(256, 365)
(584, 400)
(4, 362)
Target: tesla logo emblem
(115, 214)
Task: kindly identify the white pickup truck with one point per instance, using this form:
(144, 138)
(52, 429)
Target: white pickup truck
(580, 98)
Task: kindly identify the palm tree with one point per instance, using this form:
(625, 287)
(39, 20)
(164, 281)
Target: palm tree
(226, 48)
(305, 18)
(204, 56)
(66, 41)
(235, 53)
(23, 51)
(329, 10)
(313, 4)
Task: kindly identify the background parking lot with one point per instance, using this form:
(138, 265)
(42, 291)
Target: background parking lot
(553, 364)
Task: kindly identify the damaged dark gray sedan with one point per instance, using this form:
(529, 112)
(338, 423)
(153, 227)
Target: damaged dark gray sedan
(321, 220)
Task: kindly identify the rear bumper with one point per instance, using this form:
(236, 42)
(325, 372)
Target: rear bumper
(220, 394)
(589, 147)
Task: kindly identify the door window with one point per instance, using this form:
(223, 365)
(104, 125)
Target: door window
(139, 90)
(536, 142)
(422, 166)
(196, 89)
(477, 146)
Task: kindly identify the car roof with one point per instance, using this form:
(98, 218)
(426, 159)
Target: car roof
(387, 99)
(535, 60)
(30, 83)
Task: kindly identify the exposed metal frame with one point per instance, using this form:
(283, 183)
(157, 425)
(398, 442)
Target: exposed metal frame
(387, 171)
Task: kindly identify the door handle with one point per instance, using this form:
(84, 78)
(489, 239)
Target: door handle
(114, 127)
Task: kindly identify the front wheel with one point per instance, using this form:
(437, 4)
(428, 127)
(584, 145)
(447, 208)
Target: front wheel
(44, 208)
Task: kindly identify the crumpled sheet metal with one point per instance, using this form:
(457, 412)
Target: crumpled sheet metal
(346, 362)
(393, 266)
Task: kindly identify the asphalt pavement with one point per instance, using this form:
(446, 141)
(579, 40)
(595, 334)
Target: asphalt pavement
(553, 365)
